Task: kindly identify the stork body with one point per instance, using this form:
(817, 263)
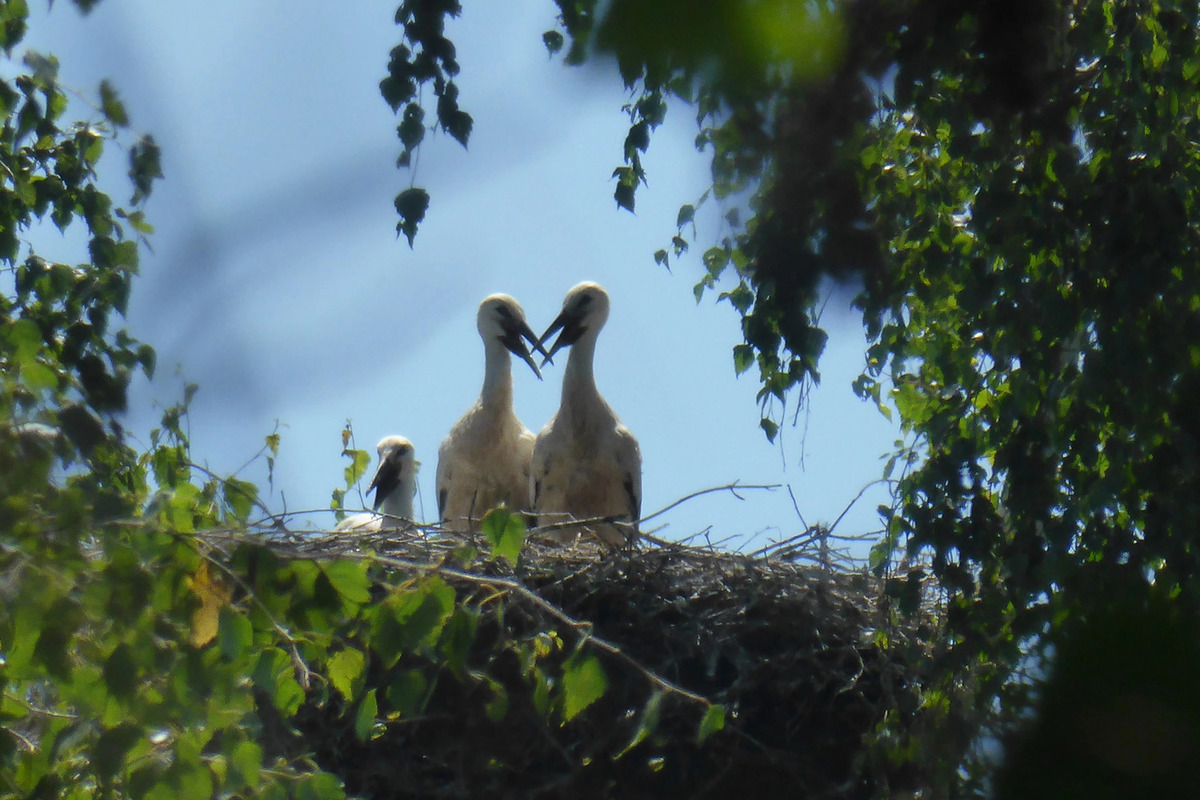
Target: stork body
(394, 484)
(586, 463)
(484, 459)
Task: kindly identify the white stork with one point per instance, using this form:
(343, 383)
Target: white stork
(394, 484)
(484, 459)
(586, 464)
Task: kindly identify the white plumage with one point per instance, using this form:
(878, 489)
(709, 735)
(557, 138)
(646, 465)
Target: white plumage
(586, 464)
(484, 459)
(394, 484)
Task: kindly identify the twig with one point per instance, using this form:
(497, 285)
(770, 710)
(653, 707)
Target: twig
(29, 746)
(857, 497)
(809, 535)
(39, 710)
(796, 506)
(257, 455)
(732, 488)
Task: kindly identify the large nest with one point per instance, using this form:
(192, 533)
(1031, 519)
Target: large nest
(787, 644)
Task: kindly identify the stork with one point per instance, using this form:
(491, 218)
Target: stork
(586, 463)
(394, 484)
(484, 459)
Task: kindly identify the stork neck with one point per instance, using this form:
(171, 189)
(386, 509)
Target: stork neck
(579, 380)
(497, 377)
(399, 502)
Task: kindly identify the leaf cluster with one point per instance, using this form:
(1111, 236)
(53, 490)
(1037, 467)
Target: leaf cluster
(424, 58)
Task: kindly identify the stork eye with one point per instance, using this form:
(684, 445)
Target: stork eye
(504, 311)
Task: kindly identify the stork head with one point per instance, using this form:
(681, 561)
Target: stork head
(585, 309)
(502, 319)
(397, 466)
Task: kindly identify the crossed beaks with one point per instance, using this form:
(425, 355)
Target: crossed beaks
(516, 332)
(570, 321)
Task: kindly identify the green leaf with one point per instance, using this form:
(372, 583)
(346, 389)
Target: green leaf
(411, 205)
(712, 721)
(359, 461)
(553, 40)
(346, 672)
(741, 298)
(458, 636)
(25, 339)
(108, 753)
(364, 717)
(121, 672)
(743, 358)
(715, 260)
(879, 555)
(505, 531)
(583, 683)
(44, 67)
(496, 709)
(274, 675)
(349, 577)
(240, 497)
(398, 87)
(411, 129)
(235, 633)
(320, 786)
(624, 195)
(453, 119)
(38, 377)
(288, 696)
(148, 359)
(111, 105)
(770, 428)
(144, 167)
(246, 759)
(194, 783)
(407, 692)
(411, 619)
(637, 140)
(647, 722)
(55, 641)
(687, 214)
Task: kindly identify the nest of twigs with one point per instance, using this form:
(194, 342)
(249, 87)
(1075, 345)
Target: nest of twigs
(785, 643)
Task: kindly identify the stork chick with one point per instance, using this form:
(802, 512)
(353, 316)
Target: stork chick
(484, 459)
(394, 484)
(586, 463)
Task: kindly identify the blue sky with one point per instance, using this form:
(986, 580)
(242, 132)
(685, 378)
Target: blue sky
(277, 283)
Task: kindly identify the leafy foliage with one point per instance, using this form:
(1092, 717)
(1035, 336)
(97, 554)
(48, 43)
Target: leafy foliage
(425, 57)
(505, 532)
(1013, 188)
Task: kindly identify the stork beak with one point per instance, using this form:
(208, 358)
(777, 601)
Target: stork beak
(387, 478)
(516, 332)
(572, 329)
